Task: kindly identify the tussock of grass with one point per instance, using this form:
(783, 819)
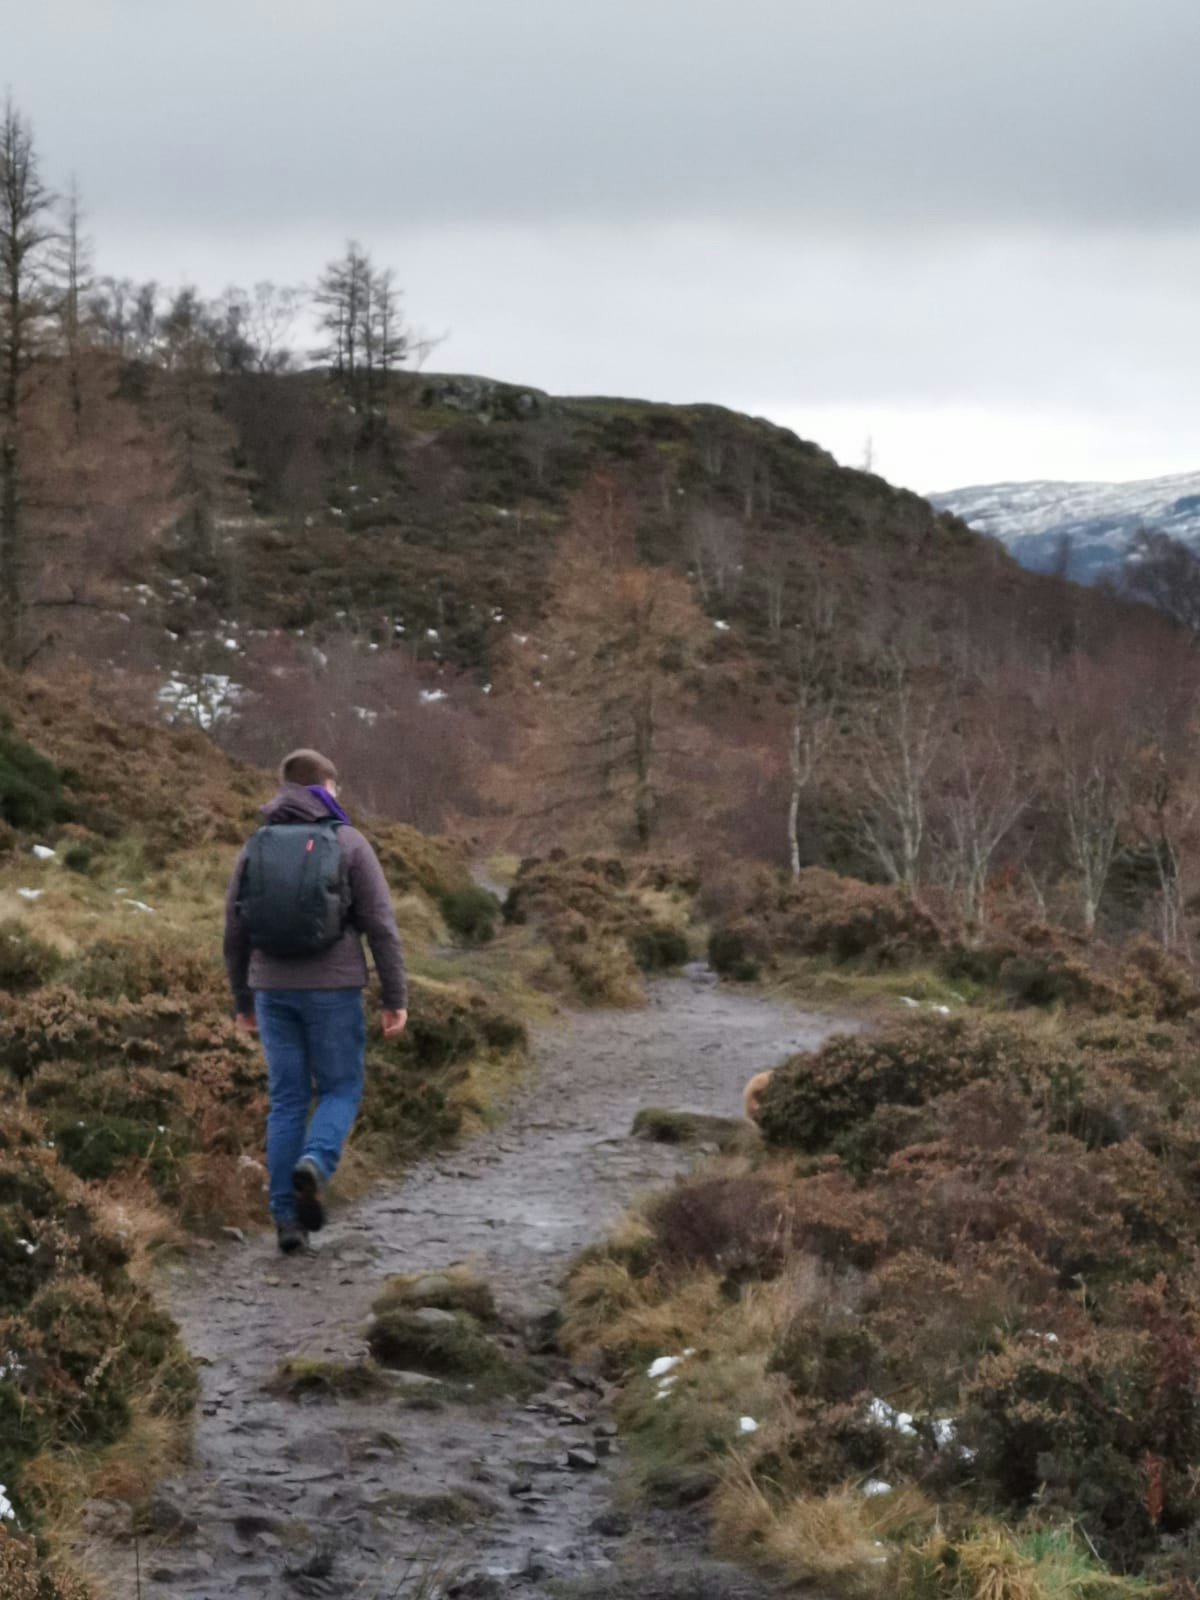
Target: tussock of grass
(831, 1539)
(611, 1312)
(989, 1563)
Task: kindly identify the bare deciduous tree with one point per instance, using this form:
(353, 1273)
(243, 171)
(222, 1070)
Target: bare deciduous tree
(984, 796)
(717, 544)
(813, 674)
(898, 761)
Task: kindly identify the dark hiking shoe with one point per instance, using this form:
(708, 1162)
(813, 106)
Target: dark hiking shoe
(308, 1183)
(291, 1236)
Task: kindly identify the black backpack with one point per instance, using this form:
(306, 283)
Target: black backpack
(294, 895)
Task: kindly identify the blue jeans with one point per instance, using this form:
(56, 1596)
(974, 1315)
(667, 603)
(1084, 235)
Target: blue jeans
(314, 1041)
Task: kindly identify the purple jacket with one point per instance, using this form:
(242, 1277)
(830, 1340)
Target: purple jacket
(343, 965)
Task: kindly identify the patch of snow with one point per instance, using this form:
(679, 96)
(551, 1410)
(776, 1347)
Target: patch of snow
(721, 627)
(875, 1487)
(43, 852)
(140, 905)
(907, 1000)
(30, 894)
(886, 1416)
(208, 698)
(521, 638)
(747, 1425)
(942, 1011)
(662, 1365)
(432, 633)
(430, 697)
(364, 714)
(945, 1431)
(29, 1248)
(232, 644)
(7, 1514)
(487, 688)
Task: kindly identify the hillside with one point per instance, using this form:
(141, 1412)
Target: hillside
(1098, 519)
(434, 532)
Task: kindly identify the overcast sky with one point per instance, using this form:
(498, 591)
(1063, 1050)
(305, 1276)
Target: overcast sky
(969, 229)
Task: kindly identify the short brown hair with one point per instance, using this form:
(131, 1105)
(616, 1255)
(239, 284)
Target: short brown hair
(307, 767)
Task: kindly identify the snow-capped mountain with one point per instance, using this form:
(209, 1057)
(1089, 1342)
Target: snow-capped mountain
(1032, 519)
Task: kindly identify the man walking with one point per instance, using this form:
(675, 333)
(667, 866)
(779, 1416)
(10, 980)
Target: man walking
(306, 888)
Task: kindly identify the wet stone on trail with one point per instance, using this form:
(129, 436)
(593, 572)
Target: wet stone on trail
(325, 1494)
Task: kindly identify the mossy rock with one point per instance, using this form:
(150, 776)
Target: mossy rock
(454, 1508)
(454, 1290)
(660, 1126)
(327, 1380)
(448, 1345)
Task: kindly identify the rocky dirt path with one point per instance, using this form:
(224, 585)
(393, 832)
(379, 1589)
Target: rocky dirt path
(349, 1498)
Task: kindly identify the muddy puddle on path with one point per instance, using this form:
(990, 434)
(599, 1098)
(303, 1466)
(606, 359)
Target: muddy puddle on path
(286, 1499)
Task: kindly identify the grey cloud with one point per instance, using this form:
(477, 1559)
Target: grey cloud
(385, 111)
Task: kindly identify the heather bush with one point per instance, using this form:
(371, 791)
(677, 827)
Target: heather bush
(25, 961)
(759, 919)
(739, 949)
(971, 1260)
(30, 785)
(77, 1339)
(470, 914)
(601, 921)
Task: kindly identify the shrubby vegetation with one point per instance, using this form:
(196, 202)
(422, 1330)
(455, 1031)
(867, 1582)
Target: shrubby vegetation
(132, 1107)
(607, 923)
(965, 1267)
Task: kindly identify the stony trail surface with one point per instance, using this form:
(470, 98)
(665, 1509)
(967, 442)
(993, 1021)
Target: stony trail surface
(347, 1497)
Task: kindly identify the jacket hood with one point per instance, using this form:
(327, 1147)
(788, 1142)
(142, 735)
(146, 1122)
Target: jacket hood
(293, 803)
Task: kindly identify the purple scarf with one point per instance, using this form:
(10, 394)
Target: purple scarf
(327, 800)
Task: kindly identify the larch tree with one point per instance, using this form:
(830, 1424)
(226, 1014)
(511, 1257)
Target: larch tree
(26, 303)
(73, 261)
(199, 438)
(610, 685)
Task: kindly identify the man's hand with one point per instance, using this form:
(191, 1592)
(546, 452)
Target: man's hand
(247, 1022)
(394, 1023)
